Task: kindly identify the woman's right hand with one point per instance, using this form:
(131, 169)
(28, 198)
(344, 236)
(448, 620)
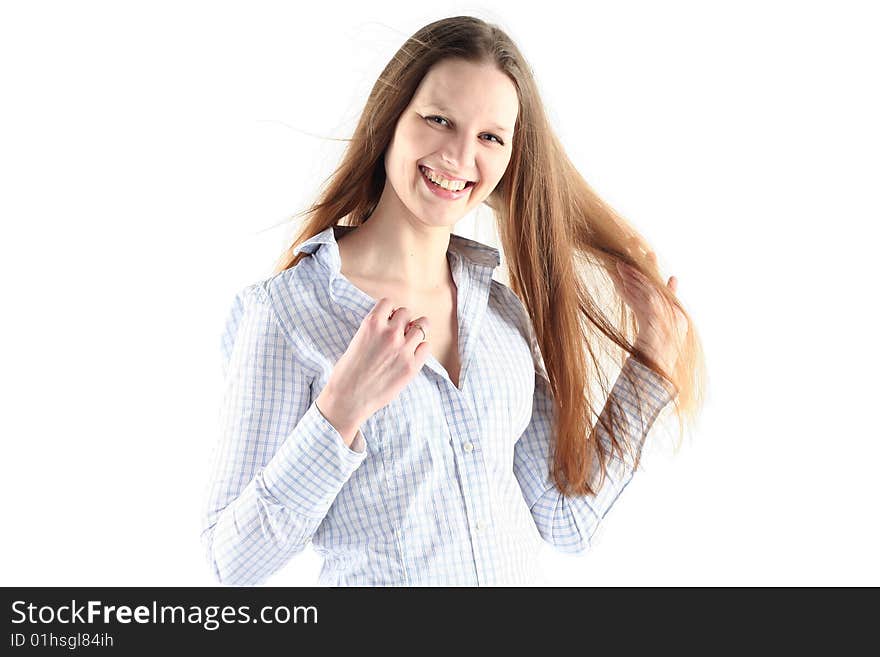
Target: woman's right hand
(384, 355)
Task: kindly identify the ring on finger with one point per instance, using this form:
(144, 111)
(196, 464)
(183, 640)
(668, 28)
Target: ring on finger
(419, 326)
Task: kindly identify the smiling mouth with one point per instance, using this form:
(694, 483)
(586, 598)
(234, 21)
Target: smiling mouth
(425, 170)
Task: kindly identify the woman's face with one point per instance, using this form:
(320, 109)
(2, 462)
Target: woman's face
(460, 123)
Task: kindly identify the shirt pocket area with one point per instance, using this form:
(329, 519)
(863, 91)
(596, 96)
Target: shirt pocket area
(412, 435)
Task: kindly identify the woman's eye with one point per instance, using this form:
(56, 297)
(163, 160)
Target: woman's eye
(431, 118)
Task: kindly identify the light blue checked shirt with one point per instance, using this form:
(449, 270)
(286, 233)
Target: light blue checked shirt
(443, 486)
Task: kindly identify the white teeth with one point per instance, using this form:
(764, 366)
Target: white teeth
(442, 182)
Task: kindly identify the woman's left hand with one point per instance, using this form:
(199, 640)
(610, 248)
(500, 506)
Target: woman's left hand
(662, 326)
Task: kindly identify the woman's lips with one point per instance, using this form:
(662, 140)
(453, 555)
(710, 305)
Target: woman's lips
(444, 193)
(444, 174)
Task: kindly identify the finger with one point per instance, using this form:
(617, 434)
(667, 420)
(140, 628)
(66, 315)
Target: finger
(400, 318)
(382, 308)
(673, 283)
(627, 276)
(413, 335)
(617, 274)
(632, 274)
(422, 352)
(637, 284)
(624, 269)
(423, 321)
(630, 269)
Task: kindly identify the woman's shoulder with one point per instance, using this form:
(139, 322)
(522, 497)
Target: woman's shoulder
(297, 286)
(504, 299)
(289, 298)
(511, 308)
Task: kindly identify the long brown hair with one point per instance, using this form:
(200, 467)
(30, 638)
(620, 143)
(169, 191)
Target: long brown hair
(558, 237)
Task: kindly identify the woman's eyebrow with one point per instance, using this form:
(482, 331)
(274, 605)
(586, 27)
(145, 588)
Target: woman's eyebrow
(440, 108)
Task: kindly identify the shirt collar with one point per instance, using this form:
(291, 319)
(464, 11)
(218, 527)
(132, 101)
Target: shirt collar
(475, 252)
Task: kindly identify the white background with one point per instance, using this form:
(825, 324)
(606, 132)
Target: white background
(151, 153)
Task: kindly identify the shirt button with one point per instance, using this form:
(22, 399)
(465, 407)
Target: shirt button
(469, 446)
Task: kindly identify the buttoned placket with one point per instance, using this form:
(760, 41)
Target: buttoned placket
(472, 283)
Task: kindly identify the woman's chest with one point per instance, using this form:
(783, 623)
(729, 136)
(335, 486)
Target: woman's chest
(431, 421)
(440, 309)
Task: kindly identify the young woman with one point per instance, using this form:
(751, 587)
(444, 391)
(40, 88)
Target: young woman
(418, 421)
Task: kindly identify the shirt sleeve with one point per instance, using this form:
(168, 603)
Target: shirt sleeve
(568, 523)
(278, 463)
